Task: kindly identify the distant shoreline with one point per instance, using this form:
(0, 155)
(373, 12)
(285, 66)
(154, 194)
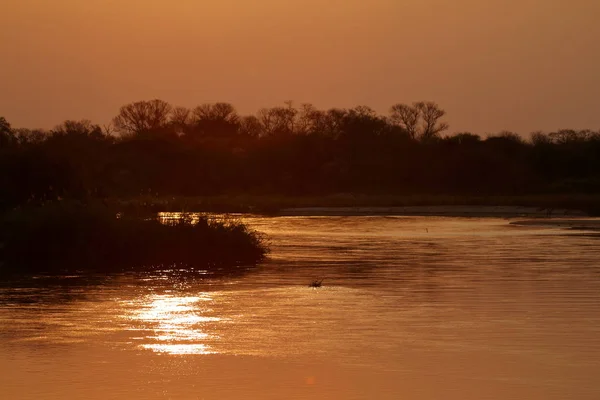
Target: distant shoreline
(557, 205)
(568, 223)
(441, 211)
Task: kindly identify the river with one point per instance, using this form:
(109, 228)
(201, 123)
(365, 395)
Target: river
(410, 308)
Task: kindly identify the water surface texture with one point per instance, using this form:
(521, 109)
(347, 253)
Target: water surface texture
(410, 308)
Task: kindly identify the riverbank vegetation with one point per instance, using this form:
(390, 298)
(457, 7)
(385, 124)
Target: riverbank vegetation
(64, 237)
(545, 204)
(213, 159)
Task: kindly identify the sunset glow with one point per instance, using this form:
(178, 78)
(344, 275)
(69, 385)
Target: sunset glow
(492, 65)
(299, 199)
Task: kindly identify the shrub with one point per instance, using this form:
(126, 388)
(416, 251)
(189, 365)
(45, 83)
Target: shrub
(62, 237)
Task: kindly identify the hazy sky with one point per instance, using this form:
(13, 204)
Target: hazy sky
(518, 65)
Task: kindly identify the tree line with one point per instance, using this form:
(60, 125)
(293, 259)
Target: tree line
(154, 148)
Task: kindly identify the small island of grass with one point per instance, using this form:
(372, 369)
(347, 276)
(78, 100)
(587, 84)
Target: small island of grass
(63, 238)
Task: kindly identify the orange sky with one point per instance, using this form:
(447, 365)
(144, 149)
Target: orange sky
(519, 65)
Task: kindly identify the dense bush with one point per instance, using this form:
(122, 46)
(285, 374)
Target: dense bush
(63, 237)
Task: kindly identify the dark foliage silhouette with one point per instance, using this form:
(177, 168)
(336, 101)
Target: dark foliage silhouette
(70, 236)
(211, 150)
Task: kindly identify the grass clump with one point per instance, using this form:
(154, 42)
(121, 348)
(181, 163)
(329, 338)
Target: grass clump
(60, 237)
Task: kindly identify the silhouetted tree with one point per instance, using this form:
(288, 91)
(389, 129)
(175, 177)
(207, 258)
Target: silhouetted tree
(82, 128)
(278, 120)
(306, 117)
(407, 117)
(214, 126)
(26, 136)
(430, 114)
(7, 137)
(421, 120)
(301, 150)
(565, 136)
(463, 138)
(216, 112)
(181, 118)
(143, 116)
(540, 139)
(250, 126)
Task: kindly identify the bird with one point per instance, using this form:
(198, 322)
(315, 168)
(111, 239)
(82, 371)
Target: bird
(316, 283)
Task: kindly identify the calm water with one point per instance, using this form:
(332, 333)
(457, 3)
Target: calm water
(410, 308)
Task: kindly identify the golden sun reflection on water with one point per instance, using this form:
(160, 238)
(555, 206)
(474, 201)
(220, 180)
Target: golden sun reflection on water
(176, 324)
